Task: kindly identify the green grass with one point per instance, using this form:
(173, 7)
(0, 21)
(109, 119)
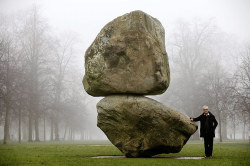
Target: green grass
(68, 153)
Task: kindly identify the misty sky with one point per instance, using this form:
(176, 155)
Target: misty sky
(87, 17)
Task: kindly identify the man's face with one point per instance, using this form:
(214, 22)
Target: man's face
(205, 111)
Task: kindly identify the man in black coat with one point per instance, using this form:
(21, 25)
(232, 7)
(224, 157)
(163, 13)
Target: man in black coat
(208, 124)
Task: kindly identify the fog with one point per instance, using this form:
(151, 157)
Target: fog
(45, 99)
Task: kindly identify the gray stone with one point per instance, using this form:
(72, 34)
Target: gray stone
(128, 56)
(142, 127)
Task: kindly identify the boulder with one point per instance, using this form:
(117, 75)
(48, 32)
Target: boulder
(142, 127)
(128, 56)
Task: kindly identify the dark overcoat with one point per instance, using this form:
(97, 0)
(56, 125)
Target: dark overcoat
(212, 122)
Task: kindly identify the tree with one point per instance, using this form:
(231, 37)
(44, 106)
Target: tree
(189, 55)
(190, 58)
(36, 79)
(8, 69)
(35, 43)
(62, 55)
(242, 87)
(220, 93)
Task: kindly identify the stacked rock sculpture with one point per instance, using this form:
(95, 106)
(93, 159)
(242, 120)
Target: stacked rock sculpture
(126, 61)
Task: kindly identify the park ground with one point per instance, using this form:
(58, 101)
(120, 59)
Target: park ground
(79, 153)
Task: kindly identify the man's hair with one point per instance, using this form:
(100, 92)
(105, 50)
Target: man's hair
(205, 107)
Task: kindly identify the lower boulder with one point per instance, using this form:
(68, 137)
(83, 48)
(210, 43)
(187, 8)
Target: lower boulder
(142, 127)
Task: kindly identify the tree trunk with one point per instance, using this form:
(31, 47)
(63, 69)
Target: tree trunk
(37, 129)
(248, 136)
(51, 130)
(19, 126)
(71, 134)
(65, 131)
(6, 125)
(25, 130)
(44, 128)
(56, 130)
(244, 128)
(30, 126)
(234, 126)
(220, 126)
(7, 104)
(224, 128)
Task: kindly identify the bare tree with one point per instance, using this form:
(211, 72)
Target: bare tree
(242, 87)
(36, 80)
(189, 58)
(34, 38)
(62, 55)
(8, 69)
(220, 93)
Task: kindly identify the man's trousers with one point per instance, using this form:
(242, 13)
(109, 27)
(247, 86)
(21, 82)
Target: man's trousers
(208, 144)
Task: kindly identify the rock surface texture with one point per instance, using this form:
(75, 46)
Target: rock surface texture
(127, 60)
(128, 57)
(143, 127)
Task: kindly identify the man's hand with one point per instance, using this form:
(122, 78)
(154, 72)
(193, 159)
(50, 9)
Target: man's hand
(191, 119)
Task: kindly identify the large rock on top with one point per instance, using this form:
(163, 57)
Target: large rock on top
(128, 56)
(142, 127)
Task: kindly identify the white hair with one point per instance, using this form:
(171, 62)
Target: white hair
(205, 107)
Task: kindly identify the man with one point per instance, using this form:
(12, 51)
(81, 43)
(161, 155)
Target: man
(208, 124)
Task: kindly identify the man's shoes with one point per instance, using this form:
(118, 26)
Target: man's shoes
(208, 156)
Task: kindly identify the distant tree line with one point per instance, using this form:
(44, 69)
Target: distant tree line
(40, 83)
(209, 67)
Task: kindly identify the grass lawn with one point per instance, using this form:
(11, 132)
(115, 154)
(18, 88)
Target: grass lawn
(78, 153)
